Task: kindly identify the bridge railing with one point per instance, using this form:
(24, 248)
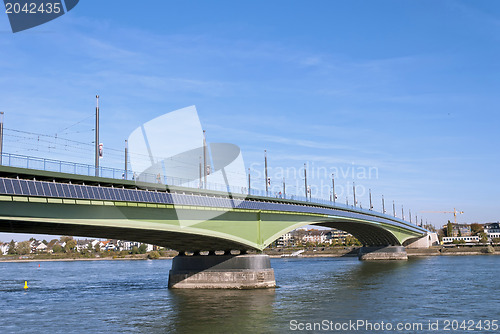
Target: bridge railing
(22, 161)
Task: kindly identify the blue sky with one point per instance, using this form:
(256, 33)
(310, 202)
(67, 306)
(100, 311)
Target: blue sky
(409, 88)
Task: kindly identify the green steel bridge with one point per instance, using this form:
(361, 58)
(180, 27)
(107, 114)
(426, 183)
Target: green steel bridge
(47, 197)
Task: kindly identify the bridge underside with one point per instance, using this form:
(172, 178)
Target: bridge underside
(366, 234)
(174, 240)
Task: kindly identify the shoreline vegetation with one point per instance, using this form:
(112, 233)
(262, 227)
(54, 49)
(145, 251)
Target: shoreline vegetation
(457, 250)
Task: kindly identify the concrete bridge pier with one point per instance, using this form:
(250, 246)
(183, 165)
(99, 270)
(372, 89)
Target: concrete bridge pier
(382, 253)
(244, 271)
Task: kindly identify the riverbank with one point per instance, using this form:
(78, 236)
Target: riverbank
(273, 253)
(412, 252)
(164, 255)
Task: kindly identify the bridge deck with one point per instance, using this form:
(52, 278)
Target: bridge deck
(43, 186)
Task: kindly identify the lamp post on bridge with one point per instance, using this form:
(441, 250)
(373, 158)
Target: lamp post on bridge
(371, 205)
(402, 213)
(305, 179)
(410, 214)
(126, 160)
(204, 159)
(1, 136)
(97, 136)
(284, 188)
(249, 184)
(394, 209)
(333, 187)
(383, 204)
(265, 172)
(354, 193)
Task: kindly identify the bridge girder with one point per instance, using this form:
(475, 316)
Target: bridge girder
(155, 224)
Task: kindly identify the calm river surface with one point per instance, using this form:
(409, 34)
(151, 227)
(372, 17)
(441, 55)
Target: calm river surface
(132, 296)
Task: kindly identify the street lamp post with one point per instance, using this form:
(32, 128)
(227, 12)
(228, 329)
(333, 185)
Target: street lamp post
(333, 187)
(249, 187)
(265, 172)
(383, 204)
(371, 205)
(354, 193)
(126, 160)
(305, 179)
(1, 136)
(97, 136)
(284, 188)
(204, 159)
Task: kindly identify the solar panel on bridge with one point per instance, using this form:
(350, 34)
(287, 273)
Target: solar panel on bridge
(202, 201)
(132, 195)
(111, 192)
(102, 193)
(139, 195)
(17, 187)
(152, 197)
(149, 196)
(119, 194)
(80, 192)
(31, 188)
(2, 186)
(65, 190)
(126, 195)
(57, 189)
(142, 195)
(162, 197)
(39, 188)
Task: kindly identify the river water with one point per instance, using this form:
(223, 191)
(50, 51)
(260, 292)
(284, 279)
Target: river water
(332, 294)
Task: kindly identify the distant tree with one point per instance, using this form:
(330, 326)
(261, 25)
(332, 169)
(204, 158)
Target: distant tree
(57, 249)
(441, 233)
(476, 228)
(12, 247)
(70, 245)
(351, 241)
(496, 240)
(143, 248)
(449, 229)
(45, 241)
(24, 247)
(97, 247)
(65, 238)
(483, 237)
(459, 233)
(134, 250)
(154, 255)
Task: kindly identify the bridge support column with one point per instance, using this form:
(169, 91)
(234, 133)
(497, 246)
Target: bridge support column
(248, 271)
(382, 253)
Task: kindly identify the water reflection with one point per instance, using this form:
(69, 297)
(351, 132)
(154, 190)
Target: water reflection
(203, 311)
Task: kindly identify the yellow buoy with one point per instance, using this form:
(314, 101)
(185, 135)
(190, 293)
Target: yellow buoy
(25, 284)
